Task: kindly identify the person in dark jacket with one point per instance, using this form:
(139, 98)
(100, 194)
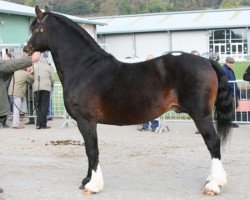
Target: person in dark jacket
(7, 67)
(246, 75)
(228, 69)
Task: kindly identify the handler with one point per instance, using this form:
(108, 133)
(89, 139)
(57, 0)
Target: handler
(6, 67)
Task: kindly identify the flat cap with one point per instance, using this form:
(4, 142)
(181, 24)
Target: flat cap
(230, 60)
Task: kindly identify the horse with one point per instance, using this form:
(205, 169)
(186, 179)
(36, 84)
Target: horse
(98, 88)
(246, 75)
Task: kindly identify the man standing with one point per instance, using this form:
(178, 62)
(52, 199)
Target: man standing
(43, 84)
(228, 69)
(7, 67)
(17, 90)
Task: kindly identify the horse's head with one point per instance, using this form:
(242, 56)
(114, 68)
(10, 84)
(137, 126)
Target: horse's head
(37, 40)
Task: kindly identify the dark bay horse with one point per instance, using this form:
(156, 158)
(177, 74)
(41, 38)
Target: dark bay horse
(246, 75)
(98, 88)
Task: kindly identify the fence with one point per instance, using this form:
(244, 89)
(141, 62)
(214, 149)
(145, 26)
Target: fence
(241, 115)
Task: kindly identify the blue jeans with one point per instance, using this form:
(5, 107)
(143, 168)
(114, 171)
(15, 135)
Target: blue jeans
(154, 124)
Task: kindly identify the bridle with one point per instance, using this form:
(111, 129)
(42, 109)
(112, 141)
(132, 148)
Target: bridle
(39, 29)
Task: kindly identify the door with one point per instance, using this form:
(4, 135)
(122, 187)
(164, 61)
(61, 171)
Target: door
(220, 48)
(237, 51)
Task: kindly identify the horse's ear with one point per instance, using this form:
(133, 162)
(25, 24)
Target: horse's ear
(47, 9)
(39, 13)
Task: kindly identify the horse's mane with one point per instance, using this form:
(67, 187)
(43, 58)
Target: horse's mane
(84, 34)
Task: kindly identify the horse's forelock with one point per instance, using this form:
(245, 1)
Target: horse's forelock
(35, 24)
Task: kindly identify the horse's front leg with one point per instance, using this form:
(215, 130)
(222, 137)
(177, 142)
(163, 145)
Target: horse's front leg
(93, 183)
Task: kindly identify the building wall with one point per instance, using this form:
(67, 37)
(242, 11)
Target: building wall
(91, 29)
(14, 29)
(138, 44)
(151, 43)
(121, 45)
(190, 40)
(156, 43)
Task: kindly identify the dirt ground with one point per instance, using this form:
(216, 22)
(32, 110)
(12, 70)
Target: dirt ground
(50, 164)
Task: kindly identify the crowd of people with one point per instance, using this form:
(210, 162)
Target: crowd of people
(16, 75)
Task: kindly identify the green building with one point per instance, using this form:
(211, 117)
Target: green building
(15, 20)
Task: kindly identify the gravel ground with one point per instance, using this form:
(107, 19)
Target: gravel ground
(50, 164)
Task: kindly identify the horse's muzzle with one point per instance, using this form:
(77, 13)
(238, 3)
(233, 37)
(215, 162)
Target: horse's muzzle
(29, 49)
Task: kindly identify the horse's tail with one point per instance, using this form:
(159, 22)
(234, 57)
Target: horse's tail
(223, 105)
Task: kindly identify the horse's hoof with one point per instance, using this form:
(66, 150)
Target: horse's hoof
(88, 192)
(212, 188)
(81, 187)
(209, 193)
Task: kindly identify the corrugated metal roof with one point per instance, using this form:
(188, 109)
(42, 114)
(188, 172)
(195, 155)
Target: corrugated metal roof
(17, 9)
(205, 19)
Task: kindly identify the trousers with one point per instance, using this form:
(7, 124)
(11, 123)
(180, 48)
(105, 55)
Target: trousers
(42, 98)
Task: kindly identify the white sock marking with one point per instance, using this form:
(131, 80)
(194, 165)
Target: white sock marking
(96, 183)
(217, 178)
(176, 53)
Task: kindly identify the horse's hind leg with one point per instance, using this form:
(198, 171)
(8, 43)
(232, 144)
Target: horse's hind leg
(217, 178)
(93, 183)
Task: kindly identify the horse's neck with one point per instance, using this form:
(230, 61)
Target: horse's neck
(68, 53)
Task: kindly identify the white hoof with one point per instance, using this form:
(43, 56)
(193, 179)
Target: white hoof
(212, 188)
(95, 185)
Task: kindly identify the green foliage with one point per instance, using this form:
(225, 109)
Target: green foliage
(109, 7)
(73, 7)
(154, 6)
(29, 2)
(230, 3)
(122, 7)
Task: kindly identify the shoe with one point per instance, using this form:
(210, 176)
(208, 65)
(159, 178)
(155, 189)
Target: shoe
(235, 125)
(49, 119)
(143, 129)
(18, 127)
(29, 122)
(153, 129)
(43, 127)
(5, 126)
(1, 190)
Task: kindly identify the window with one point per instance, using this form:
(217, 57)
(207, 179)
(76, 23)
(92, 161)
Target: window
(228, 41)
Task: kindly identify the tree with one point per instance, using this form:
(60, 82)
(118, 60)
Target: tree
(73, 7)
(125, 7)
(110, 7)
(155, 6)
(29, 2)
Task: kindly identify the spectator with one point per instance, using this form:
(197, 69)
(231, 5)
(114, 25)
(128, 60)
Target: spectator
(154, 123)
(195, 52)
(17, 90)
(7, 79)
(228, 69)
(7, 67)
(43, 85)
(246, 76)
(30, 98)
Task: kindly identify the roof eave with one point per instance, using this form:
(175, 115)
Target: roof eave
(170, 30)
